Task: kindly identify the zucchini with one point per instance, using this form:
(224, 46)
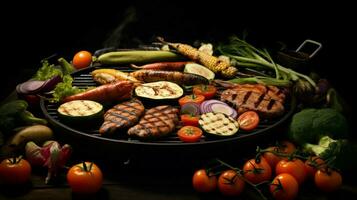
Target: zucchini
(137, 57)
(159, 90)
(198, 69)
(79, 111)
(218, 124)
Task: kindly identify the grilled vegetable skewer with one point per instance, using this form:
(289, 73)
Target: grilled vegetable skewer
(219, 66)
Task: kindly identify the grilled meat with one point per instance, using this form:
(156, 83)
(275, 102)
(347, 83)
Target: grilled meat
(267, 101)
(123, 115)
(157, 122)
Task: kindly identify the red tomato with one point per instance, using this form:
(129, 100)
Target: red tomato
(85, 178)
(208, 91)
(287, 147)
(248, 120)
(257, 172)
(191, 98)
(82, 59)
(294, 167)
(312, 165)
(15, 171)
(189, 120)
(284, 187)
(189, 134)
(271, 158)
(328, 180)
(202, 182)
(230, 183)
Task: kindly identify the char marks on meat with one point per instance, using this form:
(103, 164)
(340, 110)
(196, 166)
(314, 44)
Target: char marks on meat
(267, 101)
(157, 122)
(123, 115)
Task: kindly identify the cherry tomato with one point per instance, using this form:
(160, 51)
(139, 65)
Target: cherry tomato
(312, 164)
(248, 120)
(286, 147)
(284, 187)
(271, 158)
(189, 134)
(230, 183)
(189, 120)
(328, 180)
(85, 178)
(82, 59)
(294, 167)
(191, 98)
(257, 172)
(15, 171)
(208, 91)
(204, 183)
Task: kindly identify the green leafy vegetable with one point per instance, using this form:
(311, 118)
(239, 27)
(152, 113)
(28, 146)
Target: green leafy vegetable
(64, 89)
(47, 71)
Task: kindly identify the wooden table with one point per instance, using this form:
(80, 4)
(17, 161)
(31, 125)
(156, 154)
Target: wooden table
(155, 175)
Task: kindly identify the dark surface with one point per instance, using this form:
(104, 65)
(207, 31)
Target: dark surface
(29, 35)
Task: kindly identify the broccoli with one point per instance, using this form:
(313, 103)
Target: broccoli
(309, 125)
(14, 114)
(337, 153)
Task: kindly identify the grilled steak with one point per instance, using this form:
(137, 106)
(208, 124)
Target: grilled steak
(157, 122)
(123, 115)
(267, 101)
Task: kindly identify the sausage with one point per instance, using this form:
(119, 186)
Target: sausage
(176, 77)
(168, 66)
(116, 91)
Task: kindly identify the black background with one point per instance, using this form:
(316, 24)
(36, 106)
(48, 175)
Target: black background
(32, 32)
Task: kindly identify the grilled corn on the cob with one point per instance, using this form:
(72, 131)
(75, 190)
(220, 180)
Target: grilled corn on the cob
(218, 66)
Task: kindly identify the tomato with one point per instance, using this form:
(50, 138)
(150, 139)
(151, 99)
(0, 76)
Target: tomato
(230, 183)
(82, 59)
(189, 134)
(257, 172)
(15, 171)
(208, 91)
(312, 165)
(189, 120)
(191, 98)
(284, 187)
(202, 182)
(85, 178)
(248, 120)
(294, 167)
(286, 147)
(328, 180)
(270, 157)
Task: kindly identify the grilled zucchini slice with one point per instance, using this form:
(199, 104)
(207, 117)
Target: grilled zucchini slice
(218, 124)
(77, 111)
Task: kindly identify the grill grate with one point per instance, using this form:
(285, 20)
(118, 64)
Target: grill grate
(83, 79)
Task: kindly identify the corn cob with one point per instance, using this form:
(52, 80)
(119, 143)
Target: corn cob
(216, 65)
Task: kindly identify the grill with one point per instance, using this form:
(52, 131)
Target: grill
(89, 135)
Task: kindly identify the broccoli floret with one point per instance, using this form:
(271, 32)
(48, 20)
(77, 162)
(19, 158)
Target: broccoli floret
(309, 125)
(337, 153)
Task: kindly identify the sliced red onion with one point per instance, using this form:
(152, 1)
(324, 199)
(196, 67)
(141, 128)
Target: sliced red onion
(190, 108)
(36, 87)
(218, 106)
(51, 83)
(30, 87)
